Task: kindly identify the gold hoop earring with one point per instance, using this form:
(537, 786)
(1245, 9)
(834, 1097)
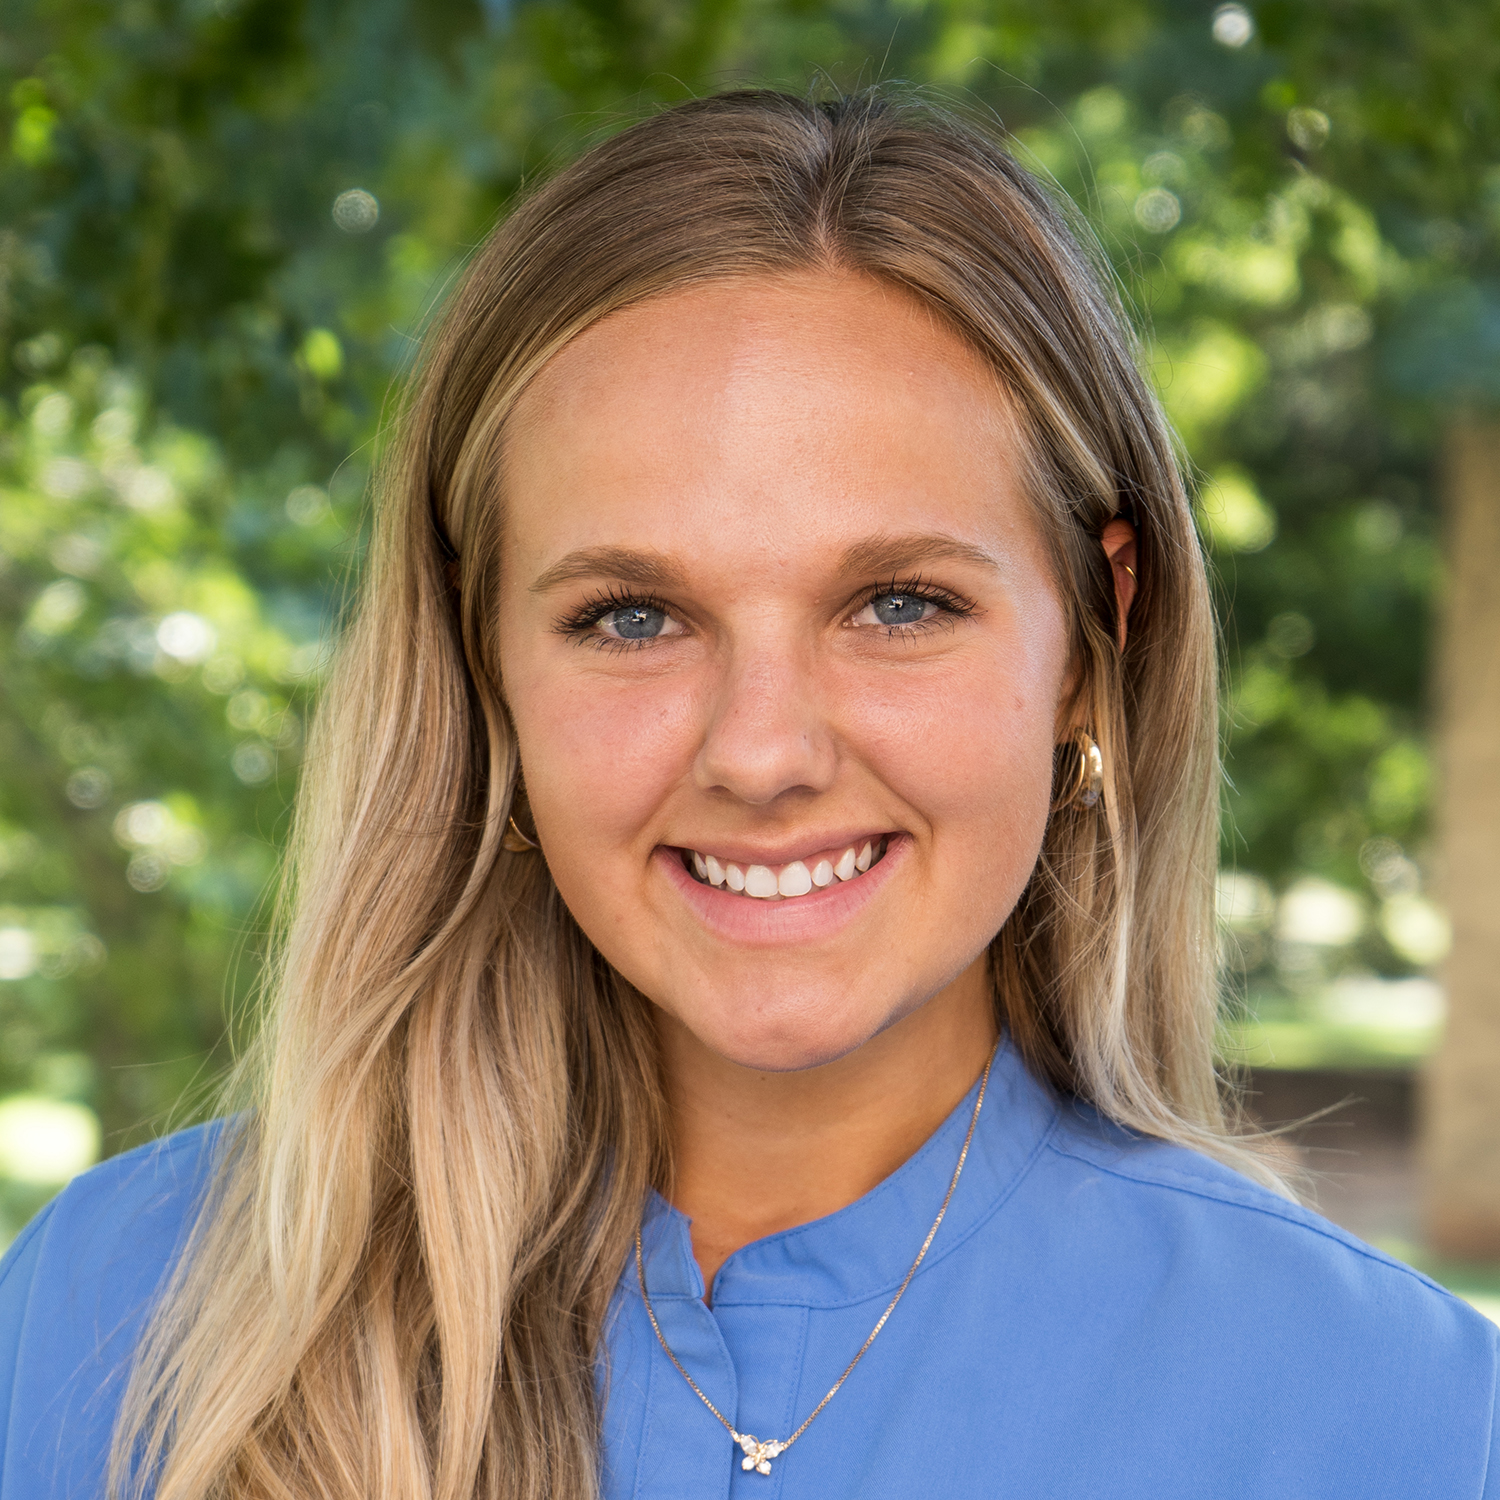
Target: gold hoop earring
(513, 841)
(1084, 781)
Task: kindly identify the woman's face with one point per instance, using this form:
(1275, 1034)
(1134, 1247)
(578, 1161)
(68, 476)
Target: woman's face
(784, 653)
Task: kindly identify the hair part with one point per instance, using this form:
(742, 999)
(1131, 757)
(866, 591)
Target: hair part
(399, 1282)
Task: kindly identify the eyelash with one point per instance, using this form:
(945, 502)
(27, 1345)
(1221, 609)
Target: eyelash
(579, 625)
(954, 607)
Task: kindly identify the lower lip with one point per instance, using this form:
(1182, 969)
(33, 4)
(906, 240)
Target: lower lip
(812, 918)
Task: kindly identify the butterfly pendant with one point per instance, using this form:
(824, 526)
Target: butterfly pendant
(758, 1455)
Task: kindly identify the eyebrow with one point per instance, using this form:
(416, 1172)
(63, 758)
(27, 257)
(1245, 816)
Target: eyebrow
(889, 554)
(877, 555)
(628, 565)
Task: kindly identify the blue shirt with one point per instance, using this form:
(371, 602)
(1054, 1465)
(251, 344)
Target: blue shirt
(1101, 1317)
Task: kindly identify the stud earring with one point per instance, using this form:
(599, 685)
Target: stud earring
(1083, 771)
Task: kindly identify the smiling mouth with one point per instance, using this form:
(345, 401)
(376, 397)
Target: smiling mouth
(786, 882)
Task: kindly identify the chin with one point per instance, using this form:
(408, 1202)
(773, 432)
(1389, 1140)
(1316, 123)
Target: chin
(792, 1033)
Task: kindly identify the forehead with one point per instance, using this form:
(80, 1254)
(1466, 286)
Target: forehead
(773, 416)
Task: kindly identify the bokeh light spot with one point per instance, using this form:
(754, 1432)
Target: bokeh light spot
(1308, 128)
(1290, 635)
(1158, 210)
(307, 505)
(253, 762)
(185, 636)
(356, 211)
(88, 787)
(147, 872)
(1233, 26)
(57, 606)
(46, 1141)
(17, 953)
(1320, 914)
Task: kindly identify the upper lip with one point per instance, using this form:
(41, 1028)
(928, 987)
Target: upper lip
(728, 851)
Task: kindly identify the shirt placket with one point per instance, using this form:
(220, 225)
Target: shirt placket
(767, 1344)
(684, 1448)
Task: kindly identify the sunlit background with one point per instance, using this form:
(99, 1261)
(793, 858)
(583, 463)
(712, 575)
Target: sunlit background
(222, 223)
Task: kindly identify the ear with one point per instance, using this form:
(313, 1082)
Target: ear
(1118, 541)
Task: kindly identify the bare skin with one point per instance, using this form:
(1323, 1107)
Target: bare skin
(792, 1147)
(772, 590)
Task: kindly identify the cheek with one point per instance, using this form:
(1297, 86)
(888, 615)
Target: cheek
(973, 757)
(973, 740)
(600, 757)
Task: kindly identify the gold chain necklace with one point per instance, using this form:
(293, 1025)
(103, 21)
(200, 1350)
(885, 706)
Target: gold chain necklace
(758, 1455)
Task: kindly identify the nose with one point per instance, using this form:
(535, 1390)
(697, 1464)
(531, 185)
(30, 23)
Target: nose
(768, 734)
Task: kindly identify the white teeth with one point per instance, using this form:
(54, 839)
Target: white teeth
(795, 879)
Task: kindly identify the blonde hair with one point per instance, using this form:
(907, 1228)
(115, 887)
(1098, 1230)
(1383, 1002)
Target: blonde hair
(398, 1284)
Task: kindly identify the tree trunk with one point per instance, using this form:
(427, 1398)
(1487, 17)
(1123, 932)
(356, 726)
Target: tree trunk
(1462, 1115)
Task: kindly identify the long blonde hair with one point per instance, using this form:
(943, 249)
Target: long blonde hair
(398, 1284)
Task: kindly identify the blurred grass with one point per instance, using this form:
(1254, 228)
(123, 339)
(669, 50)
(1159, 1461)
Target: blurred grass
(1314, 1043)
(1477, 1282)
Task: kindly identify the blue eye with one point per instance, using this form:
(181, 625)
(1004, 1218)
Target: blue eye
(900, 609)
(614, 619)
(636, 622)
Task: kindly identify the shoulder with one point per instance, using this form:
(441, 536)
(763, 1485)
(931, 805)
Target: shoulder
(75, 1289)
(1215, 1221)
(1268, 1299)
(118, 1222)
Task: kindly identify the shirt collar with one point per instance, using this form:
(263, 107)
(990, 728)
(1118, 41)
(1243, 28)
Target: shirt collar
(866, 1249)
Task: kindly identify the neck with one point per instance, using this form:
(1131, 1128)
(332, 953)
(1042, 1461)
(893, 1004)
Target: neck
(757, 1153)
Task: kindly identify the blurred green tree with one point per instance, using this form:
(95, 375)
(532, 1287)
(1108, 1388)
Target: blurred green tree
(222, 223)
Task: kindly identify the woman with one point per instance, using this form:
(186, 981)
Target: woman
(745, 1021)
